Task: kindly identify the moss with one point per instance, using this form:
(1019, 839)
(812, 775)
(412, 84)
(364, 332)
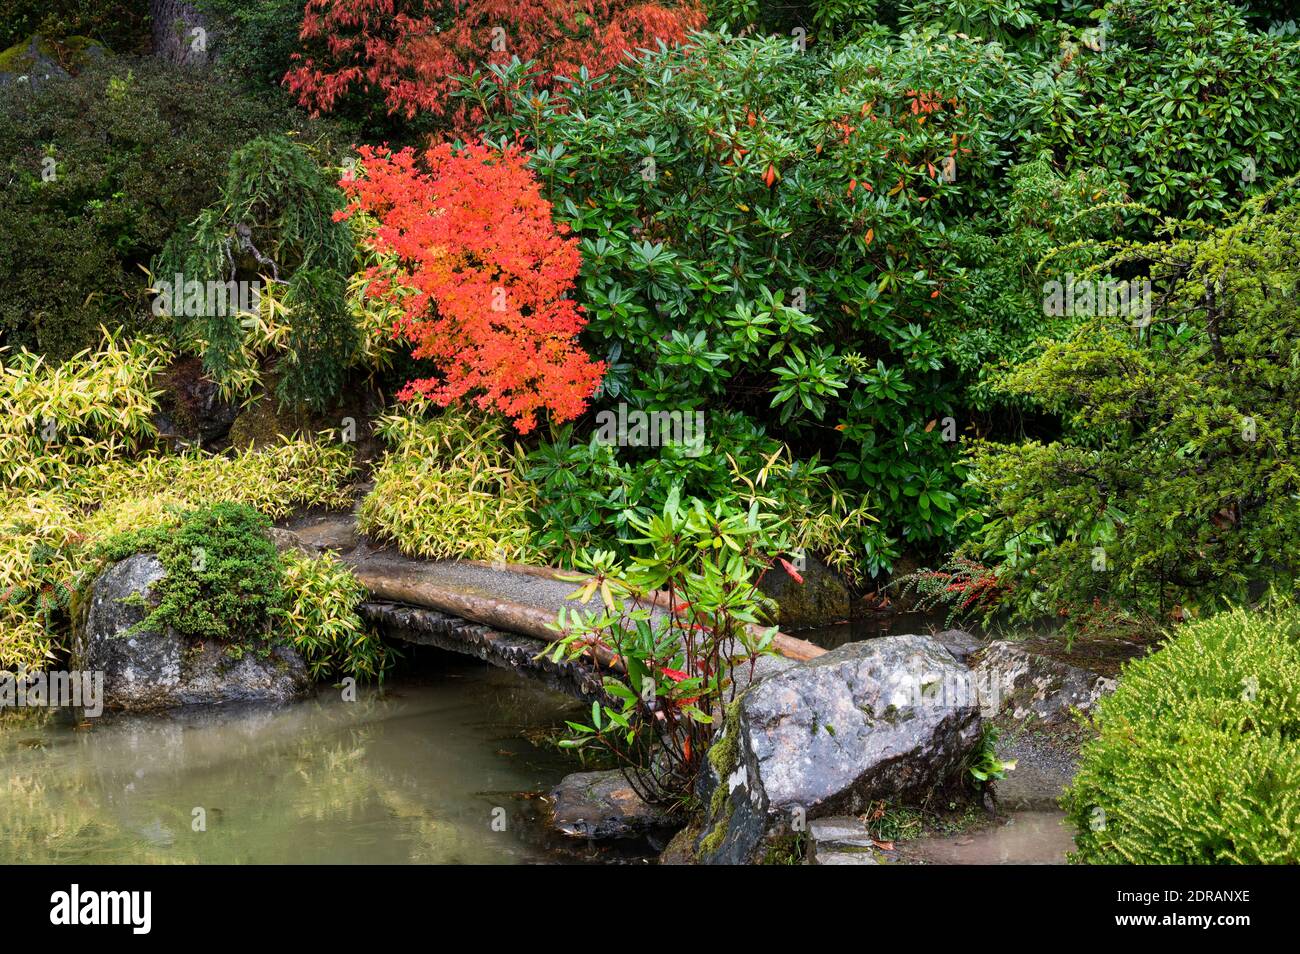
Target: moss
(223, 577)
(723, 757)
(264, 423)
(72, 52)
(786, 850)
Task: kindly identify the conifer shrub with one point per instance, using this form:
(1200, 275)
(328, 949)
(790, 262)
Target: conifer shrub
(1198, 760)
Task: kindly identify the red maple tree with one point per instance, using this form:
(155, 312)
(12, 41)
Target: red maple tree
(485, 275)
(411, 51)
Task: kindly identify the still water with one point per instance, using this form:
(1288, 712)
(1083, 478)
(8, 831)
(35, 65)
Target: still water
(443, 767)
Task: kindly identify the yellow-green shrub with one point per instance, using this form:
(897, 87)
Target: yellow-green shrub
(55, 418)
(46, 534)
(1198, 760)
(321, 618)
(448, 488)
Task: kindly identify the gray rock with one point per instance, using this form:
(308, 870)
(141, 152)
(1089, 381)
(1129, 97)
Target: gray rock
(147, 670)
(764, 667)
(825, 857)
(892, 718)
(840, 831)
(289, 540)
(819, 600)
(960, 643)
(1027, 685)
(336, 532)
(840, 840)
(30, 64)
(601, 805)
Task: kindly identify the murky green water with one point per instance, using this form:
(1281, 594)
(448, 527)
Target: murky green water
(431, 769)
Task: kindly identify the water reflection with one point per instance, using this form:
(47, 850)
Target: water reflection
(430, 770)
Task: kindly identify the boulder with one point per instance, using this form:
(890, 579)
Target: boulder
(893, 718)
(602, 805)
(35, 61)
(147, 670)
(819, 600)
(1030, 686)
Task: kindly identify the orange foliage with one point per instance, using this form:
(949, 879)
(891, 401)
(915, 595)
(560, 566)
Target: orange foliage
(490, 275)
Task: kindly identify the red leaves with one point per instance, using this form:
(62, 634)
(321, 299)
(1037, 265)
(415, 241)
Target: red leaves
(410, 51)
(794, 574)
(491, 273)
(769, 177)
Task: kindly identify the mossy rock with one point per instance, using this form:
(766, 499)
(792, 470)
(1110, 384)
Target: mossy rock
(37, 59)
(821, 599)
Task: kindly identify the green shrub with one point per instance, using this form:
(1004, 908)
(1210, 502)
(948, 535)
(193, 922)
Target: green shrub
(1198, 760)
(137, 149)
(222, 579)
(273, 225)
(1174, 482)
(766, 232)
(1183, 99)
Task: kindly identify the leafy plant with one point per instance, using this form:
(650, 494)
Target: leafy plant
(985, 766)
(673, 663)
(1197, 760)
(274, 224)
(491, 274)
(965, 587)
(56, 418)
(448, 487)
(320, 618)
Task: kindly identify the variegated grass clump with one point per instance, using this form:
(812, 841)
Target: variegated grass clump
(46, 534)
(449, 487)
(57, 418)
(321, 618)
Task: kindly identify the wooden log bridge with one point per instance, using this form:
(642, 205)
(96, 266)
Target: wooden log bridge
(500, 613)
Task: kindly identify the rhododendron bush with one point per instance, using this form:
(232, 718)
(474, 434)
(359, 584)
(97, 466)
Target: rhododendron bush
(481, 275)
(412, 51)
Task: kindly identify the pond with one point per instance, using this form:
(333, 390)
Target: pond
(441, 766)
